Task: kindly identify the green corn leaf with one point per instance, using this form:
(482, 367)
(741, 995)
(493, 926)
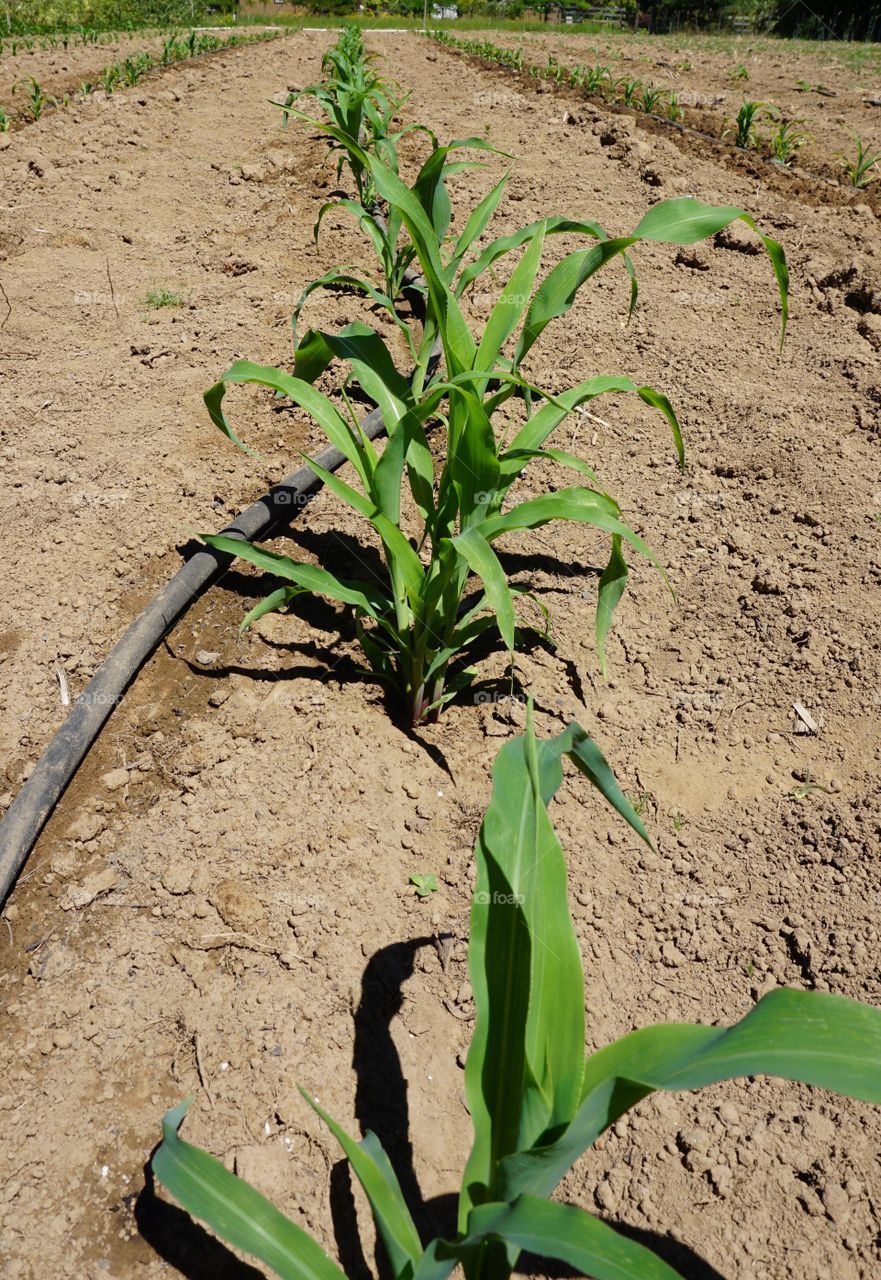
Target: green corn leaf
(483, 561)
(556, 294)
(819, 1039)
(655, 400)
(269, 604)
(525, 1062)
(525, 1053)
(458, 343)
(545, 420)
(430, 189)
(307, 577)
(560, 456)
(234, 1210)
(589, 760)
(302, 393)
(381, 1186)
(610, 591)
(372, 364)
(477, 223)
(511, 305)
(307, 364)
(505, 244)
(472, 461)
(584, 505)
(404, 559)
(685, 221)
(565, 1232)
(365, 221)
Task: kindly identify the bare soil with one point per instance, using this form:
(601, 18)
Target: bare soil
(219, 907)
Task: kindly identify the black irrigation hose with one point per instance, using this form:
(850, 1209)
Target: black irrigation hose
(35, 801)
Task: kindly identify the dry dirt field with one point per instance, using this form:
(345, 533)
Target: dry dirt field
(219, 906)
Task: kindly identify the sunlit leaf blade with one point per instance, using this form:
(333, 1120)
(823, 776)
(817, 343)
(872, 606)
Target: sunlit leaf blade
(611, 588)
(685, 221)
(587, 757)
(577, 504)
(483, 561)
(524, 1066)
(509, 308)
(234, 1210)
(556, 294)
(306, 576)
(269, 604)
(302, 393)
(819, 1039)
(375, 1173)
(568, 1234)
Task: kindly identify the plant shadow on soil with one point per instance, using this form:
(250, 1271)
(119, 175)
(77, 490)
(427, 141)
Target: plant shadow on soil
(350, 558)
(381, 1105)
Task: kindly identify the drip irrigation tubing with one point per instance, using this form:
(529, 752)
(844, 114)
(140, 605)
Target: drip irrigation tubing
(32, 807)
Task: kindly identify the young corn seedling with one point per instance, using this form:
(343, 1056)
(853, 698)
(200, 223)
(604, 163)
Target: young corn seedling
(555, 71)
(5, 122)
(110, 77)
(628, 90)
(651, 98)
(536, 1102)
(745, 126)
(592, 79)
(37, 99)
(787, 140)
(859, 168)
(417, 627)
(357, 101)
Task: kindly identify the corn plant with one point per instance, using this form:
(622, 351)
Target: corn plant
(5, 122)
(357, 100)
(110, 77)
(858, 168)
(740, 73)
(628, 89)
(37, 99)
(674, 110)
(745, 125)
(536, 1102)
(422, 620)
(133, 70)
(650, 99)
(593, 79)
(787, 140)
(555, 71)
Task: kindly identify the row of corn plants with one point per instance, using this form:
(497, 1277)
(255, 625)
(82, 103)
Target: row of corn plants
(596, 81)
(782, 143)
(536, 1102)
(129, 71)
(446, 586)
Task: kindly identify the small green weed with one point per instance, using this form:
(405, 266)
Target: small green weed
(425, 885)
(157, 298)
